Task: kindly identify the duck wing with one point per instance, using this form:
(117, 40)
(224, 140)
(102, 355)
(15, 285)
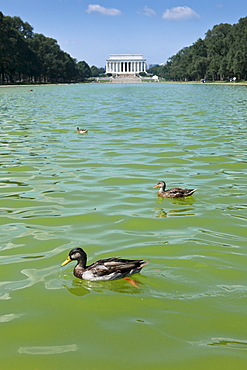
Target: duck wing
(187, 192)
(175, 192)
(116, 266)
(178, 192)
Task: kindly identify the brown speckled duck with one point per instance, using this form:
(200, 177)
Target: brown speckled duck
(106, 269)
(81, 130)
(172, 193)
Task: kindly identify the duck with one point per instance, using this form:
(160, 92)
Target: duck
(106, 269)
(81, 130)
(172, 193)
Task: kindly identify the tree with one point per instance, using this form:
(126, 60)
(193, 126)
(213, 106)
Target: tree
(221, 54)
(95, 71)
(83, 71)
(237, 56)
(28, 56)
(155, 70)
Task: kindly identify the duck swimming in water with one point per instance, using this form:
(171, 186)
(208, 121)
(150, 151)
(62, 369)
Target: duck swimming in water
(81, 130)
(172, 193)
(106, 269)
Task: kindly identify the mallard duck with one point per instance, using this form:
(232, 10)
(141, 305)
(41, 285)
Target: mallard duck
(172, 193)
(81, 130)
(106, 269)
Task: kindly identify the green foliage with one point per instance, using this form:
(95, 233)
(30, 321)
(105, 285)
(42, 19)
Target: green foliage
(155, 70)
(83, 71)
(221, 55)
(30, 57)
(26, 56)
(142, 74)
(96, 72)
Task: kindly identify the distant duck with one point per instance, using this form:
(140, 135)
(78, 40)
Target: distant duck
(106, 269)
(172, 193)
(81, 130)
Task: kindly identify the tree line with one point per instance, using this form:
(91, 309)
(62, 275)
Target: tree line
(26, 56)
(221, 55)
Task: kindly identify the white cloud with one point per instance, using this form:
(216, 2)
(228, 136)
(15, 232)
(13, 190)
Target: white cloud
(180, 13)
(100, 9)
(147, 11)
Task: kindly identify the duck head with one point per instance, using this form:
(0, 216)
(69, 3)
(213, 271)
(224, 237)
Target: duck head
(161, 184)
(76, 254)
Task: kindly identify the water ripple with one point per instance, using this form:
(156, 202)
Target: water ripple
(61, 190)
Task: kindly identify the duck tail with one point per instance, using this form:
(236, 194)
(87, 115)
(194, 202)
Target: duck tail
(192, 191)
(143, 263)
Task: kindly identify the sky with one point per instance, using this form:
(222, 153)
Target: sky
(92, 30)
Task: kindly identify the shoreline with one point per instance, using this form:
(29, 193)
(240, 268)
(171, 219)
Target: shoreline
(171, 82)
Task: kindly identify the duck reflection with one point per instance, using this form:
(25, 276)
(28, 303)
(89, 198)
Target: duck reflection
(183, 201)
(184, 208)
(161, 213)
(180, 201)
(82, 287)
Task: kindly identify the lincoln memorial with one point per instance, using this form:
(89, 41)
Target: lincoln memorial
(119, 64)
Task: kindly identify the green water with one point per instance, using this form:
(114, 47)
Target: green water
(61, 190)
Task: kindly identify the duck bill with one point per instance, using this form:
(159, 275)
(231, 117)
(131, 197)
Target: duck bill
(66, 261)
(156, 186)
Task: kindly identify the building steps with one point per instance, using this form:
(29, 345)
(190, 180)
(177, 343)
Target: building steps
(126, 78)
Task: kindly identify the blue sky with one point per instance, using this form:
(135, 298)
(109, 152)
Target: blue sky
(92, 30)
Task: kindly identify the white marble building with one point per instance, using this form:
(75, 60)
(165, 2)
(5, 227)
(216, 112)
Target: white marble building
(119, 64)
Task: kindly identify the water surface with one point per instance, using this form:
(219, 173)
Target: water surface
(61, 190)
